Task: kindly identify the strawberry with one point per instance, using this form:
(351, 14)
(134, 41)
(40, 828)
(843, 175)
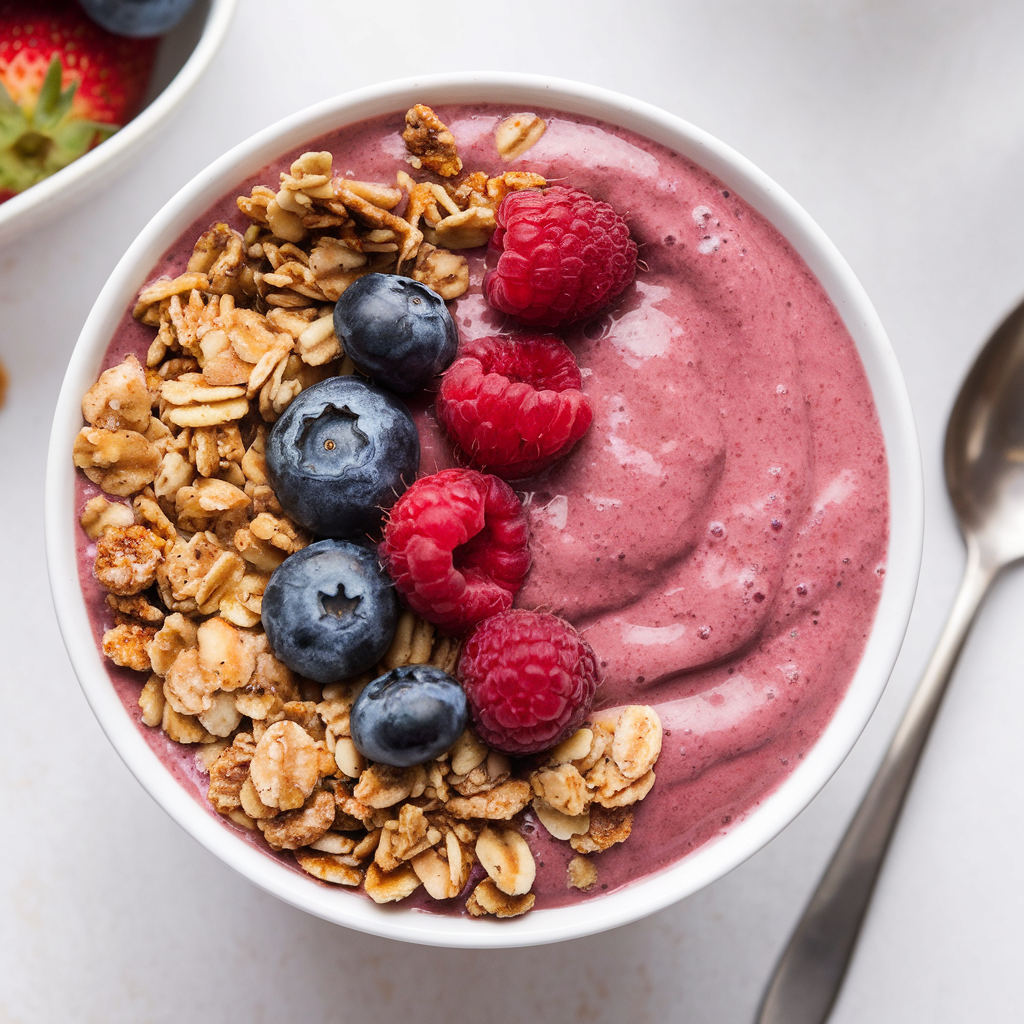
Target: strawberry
(65, 85)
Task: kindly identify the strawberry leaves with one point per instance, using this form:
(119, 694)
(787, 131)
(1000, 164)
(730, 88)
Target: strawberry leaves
(39, 139)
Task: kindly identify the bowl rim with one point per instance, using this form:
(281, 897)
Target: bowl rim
(715, 858)
(46, 197)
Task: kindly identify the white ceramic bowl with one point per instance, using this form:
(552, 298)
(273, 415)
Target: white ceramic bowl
(183, 55)
(712, 860)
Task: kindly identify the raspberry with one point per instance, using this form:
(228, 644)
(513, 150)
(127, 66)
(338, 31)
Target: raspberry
(456, 547)
(564, 255)
(513, 405)
(530, 679)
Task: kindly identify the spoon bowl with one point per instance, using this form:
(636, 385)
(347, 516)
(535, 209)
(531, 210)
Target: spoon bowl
(984, 451)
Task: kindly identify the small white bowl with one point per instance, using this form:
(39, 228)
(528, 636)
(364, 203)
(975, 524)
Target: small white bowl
(710, 861)
(183, 55)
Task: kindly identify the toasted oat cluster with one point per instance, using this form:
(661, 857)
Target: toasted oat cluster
(186, 554)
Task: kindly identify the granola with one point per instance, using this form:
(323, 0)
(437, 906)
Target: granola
(191, 531)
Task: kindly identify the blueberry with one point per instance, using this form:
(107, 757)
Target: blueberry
(329, 611)
(396, 330)
(408, 715)
(341, 455)
(137, 18)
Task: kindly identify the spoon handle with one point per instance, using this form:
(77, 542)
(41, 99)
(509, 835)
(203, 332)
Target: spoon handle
(809, 974)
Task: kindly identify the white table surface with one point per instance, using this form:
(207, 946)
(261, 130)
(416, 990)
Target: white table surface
(899, 125)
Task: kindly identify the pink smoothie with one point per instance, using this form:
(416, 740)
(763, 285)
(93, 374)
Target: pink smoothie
(720, 533)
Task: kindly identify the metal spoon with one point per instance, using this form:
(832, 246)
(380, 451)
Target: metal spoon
(984, 462)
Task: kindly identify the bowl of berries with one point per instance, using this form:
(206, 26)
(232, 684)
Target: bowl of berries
(483, 509)
(82, 84)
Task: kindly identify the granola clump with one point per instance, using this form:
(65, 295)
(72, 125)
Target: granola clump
(189, 531)
(431, 144)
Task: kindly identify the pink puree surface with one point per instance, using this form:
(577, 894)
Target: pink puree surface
(720, 533)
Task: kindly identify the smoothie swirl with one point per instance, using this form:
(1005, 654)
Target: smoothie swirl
(719, 535)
